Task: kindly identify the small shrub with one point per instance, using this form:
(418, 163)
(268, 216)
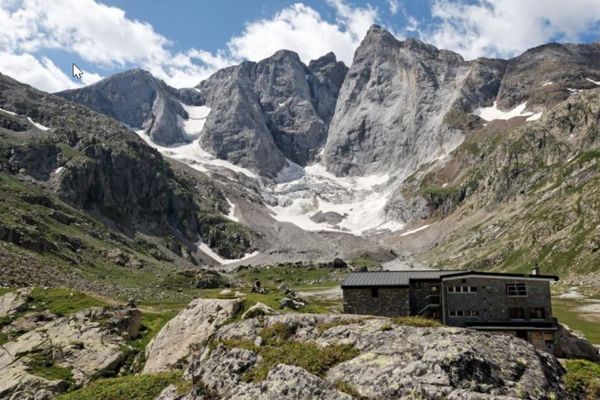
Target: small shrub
(42, 365)
(308, 355)
(582, 379)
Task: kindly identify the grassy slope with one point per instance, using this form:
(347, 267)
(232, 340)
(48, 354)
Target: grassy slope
(538, 186)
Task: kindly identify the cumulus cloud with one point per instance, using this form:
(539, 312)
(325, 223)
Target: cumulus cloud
(504, 28)
(302, 29)
(105, 36)
(42, 74)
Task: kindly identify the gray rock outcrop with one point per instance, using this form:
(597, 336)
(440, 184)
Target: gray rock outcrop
(189, 330)
(406, 103)
(262, 113)
(88, 343)
(392, 362)
(391, 108)
(139, 100)
(571, 345)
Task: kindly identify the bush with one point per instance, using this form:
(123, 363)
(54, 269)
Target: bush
(582, 379)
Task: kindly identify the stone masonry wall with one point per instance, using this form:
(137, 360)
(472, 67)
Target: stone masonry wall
(391, 302)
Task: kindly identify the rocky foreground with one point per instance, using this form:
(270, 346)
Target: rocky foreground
(226, 352)
(362, 358)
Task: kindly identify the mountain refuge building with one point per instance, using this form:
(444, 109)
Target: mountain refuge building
(516, 304)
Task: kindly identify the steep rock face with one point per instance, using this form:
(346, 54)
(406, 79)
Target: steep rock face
(548, 74)
(262, 113)
(139, 100)
(391, 107)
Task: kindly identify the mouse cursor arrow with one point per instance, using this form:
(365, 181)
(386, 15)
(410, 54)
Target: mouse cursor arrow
(77, 72)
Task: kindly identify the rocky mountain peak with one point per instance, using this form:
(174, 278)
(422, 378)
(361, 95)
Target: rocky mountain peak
(139, 100)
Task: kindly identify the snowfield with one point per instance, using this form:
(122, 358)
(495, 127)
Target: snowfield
(493, 113)
(196, 118)
(316, 200)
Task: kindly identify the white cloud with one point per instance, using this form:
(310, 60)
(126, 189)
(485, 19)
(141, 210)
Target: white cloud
(42, 74)
(301, 29)
(504, 28)
(104, 36)
(394, 6)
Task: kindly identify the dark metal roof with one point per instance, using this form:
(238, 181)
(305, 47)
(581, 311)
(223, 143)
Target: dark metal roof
(403, 278)
(502, 275)
(391, 278)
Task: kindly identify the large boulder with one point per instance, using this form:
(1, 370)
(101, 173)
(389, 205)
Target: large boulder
(188, 331)
(570, 344)
(392, 362)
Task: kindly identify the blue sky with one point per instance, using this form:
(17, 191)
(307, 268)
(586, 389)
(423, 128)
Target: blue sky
(184, 41)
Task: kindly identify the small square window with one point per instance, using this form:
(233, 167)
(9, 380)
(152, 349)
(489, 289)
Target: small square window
(374, 292)
(459, 313)
(473, 289)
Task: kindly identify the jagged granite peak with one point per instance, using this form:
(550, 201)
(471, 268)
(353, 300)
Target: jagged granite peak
(265, 112)
(329, 74)
(140, 100)
(391, 107)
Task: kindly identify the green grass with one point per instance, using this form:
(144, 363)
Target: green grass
(61, 301)
(582, 379)
(131, 387)
(566, 312)
(152, 323)
(277, 348)
(364, 261)
(290, 274)
(271, 298)
(6, 290)
(41, 364)
(416, 321)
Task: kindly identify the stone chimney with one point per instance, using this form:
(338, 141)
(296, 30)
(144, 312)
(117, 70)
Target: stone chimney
(535, 270)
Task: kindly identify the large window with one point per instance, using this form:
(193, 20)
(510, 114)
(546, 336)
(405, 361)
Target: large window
(464, 313)
(516, 289)
(462, 289)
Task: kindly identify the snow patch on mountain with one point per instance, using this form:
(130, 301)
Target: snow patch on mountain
(415, 230)
(231, 215)
(209, 252)
(535, 117)
(196, 118)
(493, 113)
(8, 112)
(193, 155)
(593, 81)
(39, 126)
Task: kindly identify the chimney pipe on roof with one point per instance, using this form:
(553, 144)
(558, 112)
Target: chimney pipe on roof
(535, 270)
